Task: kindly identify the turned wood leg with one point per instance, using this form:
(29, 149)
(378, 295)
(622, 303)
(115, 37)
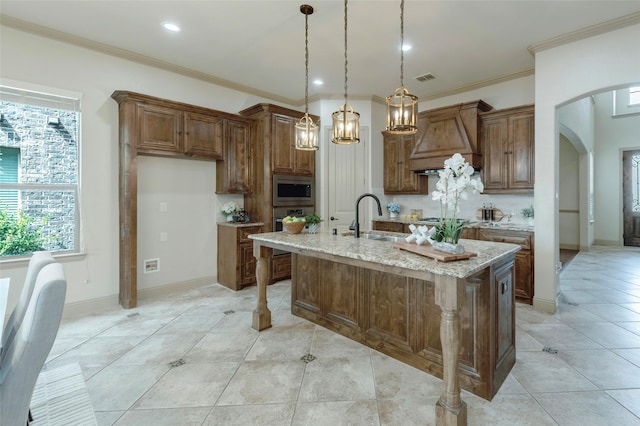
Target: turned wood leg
(262, 314)
(450, 408)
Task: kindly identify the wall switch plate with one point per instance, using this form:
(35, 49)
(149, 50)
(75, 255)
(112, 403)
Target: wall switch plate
(151, 265)
(163, 237)
(163, 207)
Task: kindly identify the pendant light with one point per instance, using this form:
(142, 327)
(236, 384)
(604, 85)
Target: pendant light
(402, 106)
(346, 122)
(306, 129)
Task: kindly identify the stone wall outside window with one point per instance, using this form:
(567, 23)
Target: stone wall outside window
(48, 155)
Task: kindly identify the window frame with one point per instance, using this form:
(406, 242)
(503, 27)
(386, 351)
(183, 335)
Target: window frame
(47, 97)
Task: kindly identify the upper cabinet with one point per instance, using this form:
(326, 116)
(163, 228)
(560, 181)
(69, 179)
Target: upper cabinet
(509, 148)
(234, 174)
(168, 130)
(154, 126)
(204, 135)
(397, 178)
(286, 158)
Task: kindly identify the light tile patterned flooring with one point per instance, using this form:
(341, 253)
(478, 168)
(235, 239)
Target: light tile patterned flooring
(193, 359)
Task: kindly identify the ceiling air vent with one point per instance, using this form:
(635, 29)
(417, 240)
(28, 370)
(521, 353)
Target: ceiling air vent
(426, 77)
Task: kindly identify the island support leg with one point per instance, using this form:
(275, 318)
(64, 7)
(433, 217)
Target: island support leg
(450, 294)
(262, 314)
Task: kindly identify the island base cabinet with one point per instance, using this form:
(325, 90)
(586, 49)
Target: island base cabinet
(398, 316)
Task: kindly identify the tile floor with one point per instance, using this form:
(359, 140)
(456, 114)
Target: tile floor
(193, 359)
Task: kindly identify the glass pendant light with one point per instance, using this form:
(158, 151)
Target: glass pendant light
(402, 106)
(306, 129)
(346, 122)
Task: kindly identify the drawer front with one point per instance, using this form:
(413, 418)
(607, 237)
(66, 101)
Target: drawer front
(243, 233)
(523, 239)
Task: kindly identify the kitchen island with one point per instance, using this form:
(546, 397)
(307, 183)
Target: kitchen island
(455, 320)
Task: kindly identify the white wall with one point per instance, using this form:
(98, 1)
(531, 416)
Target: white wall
(569, 195)
(185, 185)
(564, 74)
(613, 135)
(576, 124)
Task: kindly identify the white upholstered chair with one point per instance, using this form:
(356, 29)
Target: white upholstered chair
(25, 355)
(38, 260)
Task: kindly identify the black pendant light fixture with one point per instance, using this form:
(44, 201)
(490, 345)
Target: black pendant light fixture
(402, 106)
(346, 122)
(306, 129)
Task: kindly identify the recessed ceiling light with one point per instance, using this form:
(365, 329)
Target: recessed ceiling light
(169, 26)
(318, 82)
(406, 47)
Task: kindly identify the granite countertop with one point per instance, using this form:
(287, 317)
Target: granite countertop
(512, 226)
(384, 252)
(241, 224)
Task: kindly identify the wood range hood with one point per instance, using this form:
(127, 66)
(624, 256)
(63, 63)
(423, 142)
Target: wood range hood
(444, 131)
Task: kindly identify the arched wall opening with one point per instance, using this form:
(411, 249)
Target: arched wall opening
(565, 74)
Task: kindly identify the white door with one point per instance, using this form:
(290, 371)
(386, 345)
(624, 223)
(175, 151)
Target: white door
(347, 171)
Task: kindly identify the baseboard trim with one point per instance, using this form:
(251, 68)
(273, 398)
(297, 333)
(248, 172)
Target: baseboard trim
(167, 289)
(570, 246)
(548, 306)
(99, 304)
(607, 243)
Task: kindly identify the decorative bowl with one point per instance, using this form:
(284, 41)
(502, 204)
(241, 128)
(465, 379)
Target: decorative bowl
(293, 227)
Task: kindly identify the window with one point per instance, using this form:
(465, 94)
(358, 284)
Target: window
(634, 95)
(39, 164)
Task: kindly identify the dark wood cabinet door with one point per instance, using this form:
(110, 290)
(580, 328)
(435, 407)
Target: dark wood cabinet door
(495, 134)
(508, 150)
(204, 136)
(505, 313)
(283, 134)
(233, 176)
(521, 151)
(392, 163)
(160, 129)
(397, 178)
(247, 264)
(524, 274)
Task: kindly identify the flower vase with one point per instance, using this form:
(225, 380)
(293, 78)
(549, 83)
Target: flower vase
(313, 228)
(230, 218)
(530, 221)
(393, 215)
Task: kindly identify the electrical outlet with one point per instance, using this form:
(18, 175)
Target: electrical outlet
(151, 265)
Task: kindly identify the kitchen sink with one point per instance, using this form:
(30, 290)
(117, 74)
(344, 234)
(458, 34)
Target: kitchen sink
(380, 237)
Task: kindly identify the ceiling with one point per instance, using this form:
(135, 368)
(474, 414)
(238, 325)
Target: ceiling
(258, 46)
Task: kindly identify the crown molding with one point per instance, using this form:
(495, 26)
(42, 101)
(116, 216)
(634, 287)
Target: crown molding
(587, 32)
(478, 85)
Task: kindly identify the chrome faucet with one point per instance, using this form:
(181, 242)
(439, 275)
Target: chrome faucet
(357, 221)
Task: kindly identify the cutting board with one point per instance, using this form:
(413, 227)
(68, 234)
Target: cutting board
(429, 251)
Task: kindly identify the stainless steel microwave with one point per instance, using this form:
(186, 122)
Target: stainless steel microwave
(293, 191)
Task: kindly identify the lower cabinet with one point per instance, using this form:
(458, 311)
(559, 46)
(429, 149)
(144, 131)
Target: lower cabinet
(398, 316)
(280, 267)
(524, 264)
(524, 285)
(236, 262)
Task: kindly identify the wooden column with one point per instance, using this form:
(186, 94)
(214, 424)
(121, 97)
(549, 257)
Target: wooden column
(128, 200)
(449, 295)
(262, 314)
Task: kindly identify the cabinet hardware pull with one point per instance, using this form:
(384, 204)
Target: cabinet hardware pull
(504, 286)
